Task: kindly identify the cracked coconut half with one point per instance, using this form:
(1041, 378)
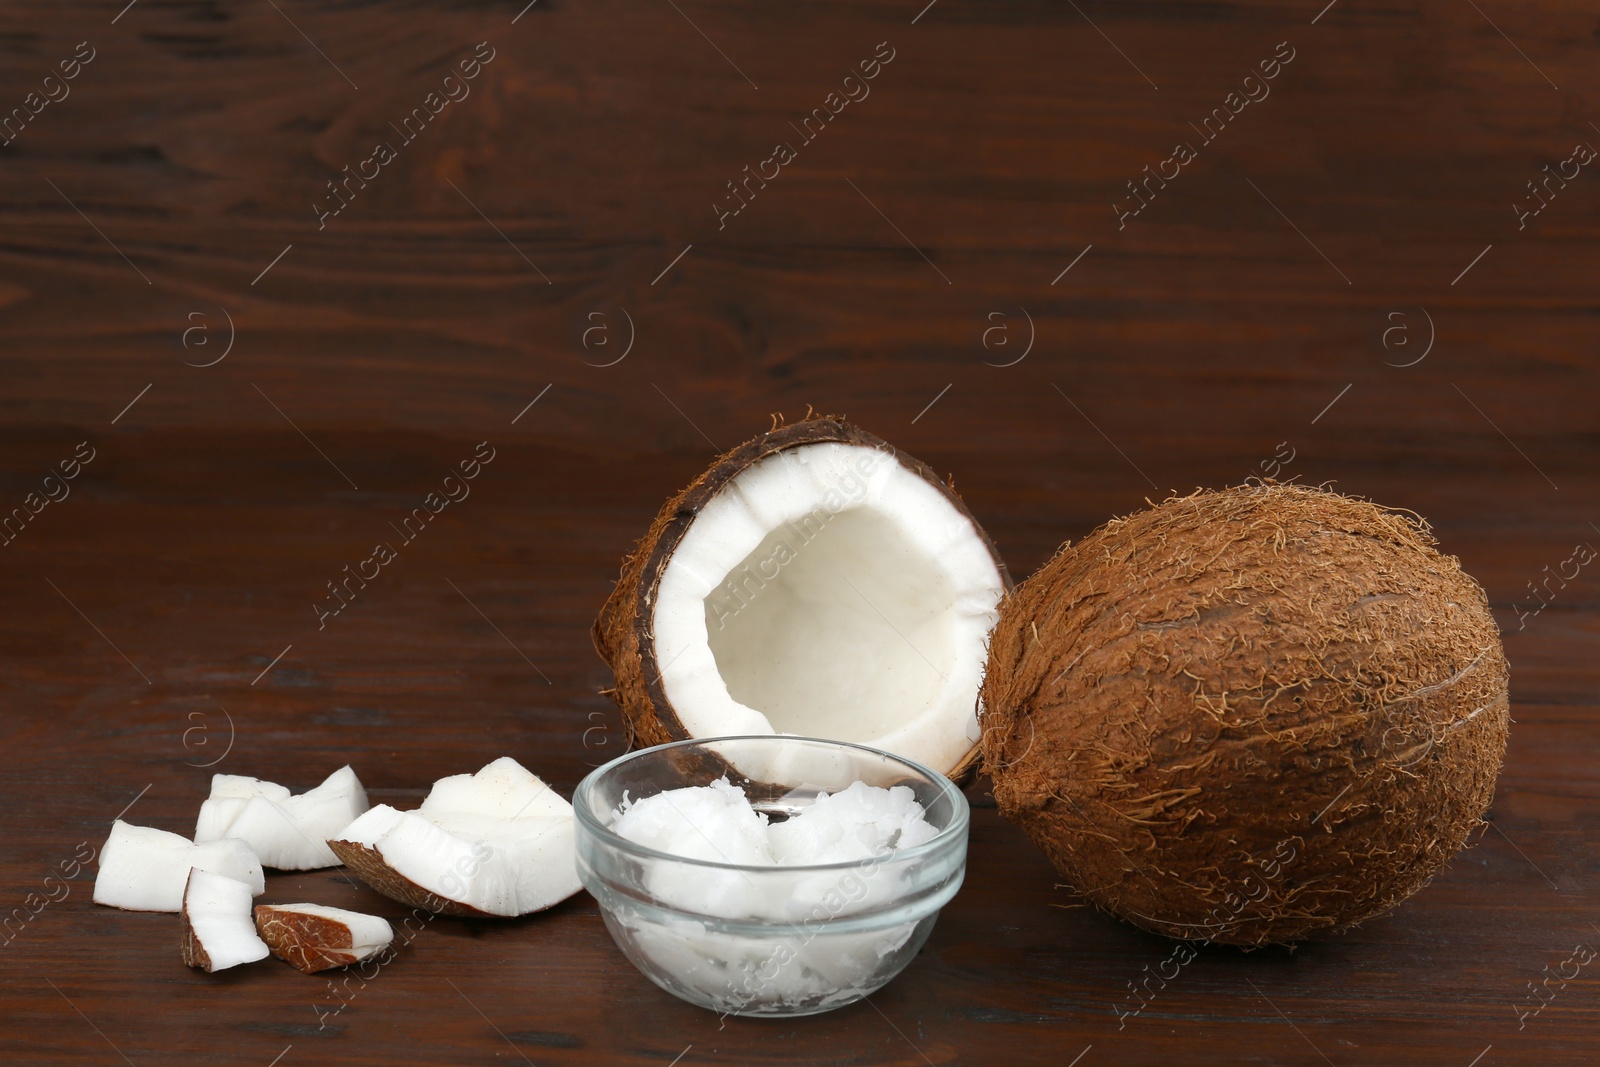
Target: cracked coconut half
(815, 581)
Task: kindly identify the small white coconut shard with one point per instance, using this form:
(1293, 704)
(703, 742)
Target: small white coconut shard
(313, 937)
(495, 843)
(287, 832)
(218, 931)
(229, 794)
(145, 869)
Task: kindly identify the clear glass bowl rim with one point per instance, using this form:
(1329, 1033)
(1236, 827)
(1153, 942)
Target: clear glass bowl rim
(940, 842)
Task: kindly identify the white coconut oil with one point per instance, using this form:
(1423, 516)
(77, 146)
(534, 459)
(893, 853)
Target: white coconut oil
(777, 930)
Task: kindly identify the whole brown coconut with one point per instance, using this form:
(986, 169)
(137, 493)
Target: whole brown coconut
(1248, 716)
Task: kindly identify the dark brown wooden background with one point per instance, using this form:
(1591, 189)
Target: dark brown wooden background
(1212, 328)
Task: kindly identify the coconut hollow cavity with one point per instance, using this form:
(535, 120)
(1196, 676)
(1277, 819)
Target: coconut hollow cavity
(814, 581)
(1248, 716)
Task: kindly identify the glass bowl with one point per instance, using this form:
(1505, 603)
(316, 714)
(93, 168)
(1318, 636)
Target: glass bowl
(768, 941)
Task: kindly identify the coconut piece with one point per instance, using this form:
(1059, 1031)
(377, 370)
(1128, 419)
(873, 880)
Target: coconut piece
(229, 794)
(314, 938)
(1248, 716)
(217, 931)
(145, 869)
(288, 832)
(813, 581)
(496, 843)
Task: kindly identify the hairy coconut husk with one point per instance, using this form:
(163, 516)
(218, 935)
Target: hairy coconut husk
(622, 632)
(1248, 716)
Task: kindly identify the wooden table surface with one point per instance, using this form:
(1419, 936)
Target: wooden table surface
(1347, 282)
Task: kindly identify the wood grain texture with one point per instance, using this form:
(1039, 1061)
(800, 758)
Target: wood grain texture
(1245, 306)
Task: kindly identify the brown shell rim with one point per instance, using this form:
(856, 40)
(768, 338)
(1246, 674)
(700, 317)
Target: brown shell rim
(194, 952)
(369, 865)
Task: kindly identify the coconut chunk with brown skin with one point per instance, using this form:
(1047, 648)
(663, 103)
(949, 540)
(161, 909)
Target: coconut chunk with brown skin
(313, 937)
(815, 581)
(496, 843)
(145, 869)
(217, 929)
(287, 832)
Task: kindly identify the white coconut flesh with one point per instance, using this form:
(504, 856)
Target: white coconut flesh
(287, 832)
(829, 591)
(217, 916)
(500, 841)
(145, 869)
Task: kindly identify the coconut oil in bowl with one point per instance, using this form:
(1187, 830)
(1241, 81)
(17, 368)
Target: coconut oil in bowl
(716, 896)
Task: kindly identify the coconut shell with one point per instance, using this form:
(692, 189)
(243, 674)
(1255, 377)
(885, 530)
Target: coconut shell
(309, 943)
(370, 866)
(1248, 716)
(623, 631)
(194, 953)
